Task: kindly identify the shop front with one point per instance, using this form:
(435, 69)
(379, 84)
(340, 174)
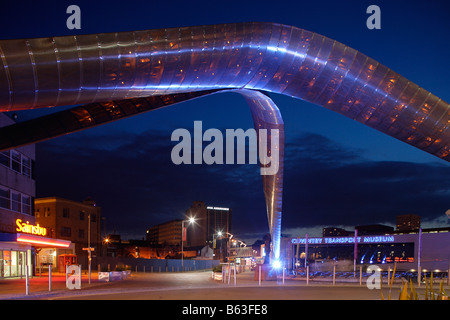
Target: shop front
(22, 250)
(14, 257)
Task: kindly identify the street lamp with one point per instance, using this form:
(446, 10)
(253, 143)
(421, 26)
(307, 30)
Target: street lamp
(190, 220)
(228, 242)
(219, 234)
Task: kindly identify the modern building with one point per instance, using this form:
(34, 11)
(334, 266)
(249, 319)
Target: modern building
(17, 191)
(427, 248)
(408, 222)
(209, 220)
(21, 236)
(77, 222)
(167, 233)
(219, 220)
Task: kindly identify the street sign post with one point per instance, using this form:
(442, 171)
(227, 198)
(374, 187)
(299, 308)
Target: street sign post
(89, 250)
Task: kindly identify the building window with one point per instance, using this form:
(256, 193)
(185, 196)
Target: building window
(16, 162)
(15, 201)
(66, 212)
(66, 232)
(4, 198)
(4, 158)
(81, 233)
(26, 166)
(46, 212)
(81, 215)
(93, 217)
(26, 204)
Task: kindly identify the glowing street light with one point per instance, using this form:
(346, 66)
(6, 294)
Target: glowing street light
(190, 220)
(276, 264)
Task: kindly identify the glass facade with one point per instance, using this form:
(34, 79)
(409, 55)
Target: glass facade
(12, 199)
(13, 263)
(18, 162)
(367, 253)
(16, 201)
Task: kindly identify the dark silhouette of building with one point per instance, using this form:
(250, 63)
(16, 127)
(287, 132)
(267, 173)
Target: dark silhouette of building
(209, 220)
(373, 229)
(408, 222)
(336, 232)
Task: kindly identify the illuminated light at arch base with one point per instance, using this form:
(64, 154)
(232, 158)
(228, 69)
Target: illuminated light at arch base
(118, 75)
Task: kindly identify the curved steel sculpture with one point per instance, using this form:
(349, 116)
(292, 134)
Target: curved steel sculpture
(113, 69)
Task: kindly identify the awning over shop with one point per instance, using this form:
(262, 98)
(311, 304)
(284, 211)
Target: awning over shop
(39, 241)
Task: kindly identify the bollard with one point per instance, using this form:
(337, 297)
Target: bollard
(27, 281)
(360, 275)
(419, 276)
(151, 269)
(307, 275)
(235, 274)
(283, 274)
(49, 277)
(224, 272)
(259, 274)
(334, 275)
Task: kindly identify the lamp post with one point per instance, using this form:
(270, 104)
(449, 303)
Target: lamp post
(215, 238)
(190, 220)
(228, 242)
(219, 234)
(89, 246)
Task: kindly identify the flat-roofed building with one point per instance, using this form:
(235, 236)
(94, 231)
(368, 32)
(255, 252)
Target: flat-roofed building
(408, 222)
(71, 220)
(167, 233)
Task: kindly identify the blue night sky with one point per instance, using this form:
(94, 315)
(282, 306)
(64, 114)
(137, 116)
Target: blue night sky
(337, 171)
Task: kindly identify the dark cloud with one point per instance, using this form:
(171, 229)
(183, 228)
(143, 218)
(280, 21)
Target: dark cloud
(329, 185)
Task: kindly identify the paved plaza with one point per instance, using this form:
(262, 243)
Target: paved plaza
(190, 286)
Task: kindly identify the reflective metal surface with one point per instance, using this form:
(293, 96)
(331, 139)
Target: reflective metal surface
(266, 115)
(100, 68)
(84, 117)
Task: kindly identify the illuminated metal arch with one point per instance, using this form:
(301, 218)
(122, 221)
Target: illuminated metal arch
(109, 68)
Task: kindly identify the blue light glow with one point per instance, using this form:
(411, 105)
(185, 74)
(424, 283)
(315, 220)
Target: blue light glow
(276, 264)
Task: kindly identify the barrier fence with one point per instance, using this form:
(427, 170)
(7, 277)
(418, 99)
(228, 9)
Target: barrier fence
(148, 265)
